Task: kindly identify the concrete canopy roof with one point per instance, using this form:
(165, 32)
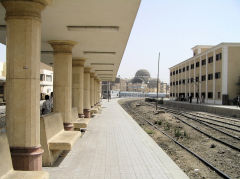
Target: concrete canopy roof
(100, 27)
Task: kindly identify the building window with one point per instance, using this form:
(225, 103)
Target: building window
(192, 66)
(188, 80)
(203, 62)
(183, 69)
(176, 82)
(210, 76)
(170, 73)
(210, 59)
(219, 95)
(217, 75)
(192, 80)
(173, 72)
(1, 89)
(203, 95)
(197, 64)
(170, 83)
(197, 79)
(49, 78)
(183, 81)
(173, 83)
(176, 71)
(204, 78)
(219, 56)
(210, 95)
(42, 77)
(187, 68)
(171, 94)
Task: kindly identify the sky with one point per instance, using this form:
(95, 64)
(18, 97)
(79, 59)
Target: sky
(173, 27)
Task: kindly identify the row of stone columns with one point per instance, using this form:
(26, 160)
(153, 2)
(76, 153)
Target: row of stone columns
(73, 85)
(23, 26)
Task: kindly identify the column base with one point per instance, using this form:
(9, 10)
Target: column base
(27, 158)
(68, 126)
(87, 113)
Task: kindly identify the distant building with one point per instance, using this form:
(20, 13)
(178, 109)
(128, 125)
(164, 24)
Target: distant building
(46, 80)
(2, 82)
(142, 82)
(211, 75)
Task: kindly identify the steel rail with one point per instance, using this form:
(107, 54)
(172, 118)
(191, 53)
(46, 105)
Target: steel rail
(219, 172)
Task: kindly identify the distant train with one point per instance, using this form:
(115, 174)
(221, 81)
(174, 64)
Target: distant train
(128, 94)
(125, 94)
(113, 94)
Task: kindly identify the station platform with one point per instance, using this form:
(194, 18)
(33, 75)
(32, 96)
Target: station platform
(116, 147)
(226, 110)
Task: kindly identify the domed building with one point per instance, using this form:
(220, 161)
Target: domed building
(141, 76)
(142, 82)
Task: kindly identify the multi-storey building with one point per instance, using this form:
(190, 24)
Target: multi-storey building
(46, 80)
(211, 75)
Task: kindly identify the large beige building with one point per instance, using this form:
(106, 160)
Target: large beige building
(210, 76)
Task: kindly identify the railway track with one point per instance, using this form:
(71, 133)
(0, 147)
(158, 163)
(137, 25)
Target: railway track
(220, 117)
(235, 122)
(223, 137)
(204, 161)
(226, 125)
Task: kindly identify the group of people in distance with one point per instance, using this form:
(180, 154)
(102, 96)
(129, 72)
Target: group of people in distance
(47, 106)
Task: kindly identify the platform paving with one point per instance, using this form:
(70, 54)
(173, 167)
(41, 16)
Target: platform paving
(116, 147)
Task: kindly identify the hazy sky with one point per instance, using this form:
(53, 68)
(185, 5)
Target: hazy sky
(173, 27)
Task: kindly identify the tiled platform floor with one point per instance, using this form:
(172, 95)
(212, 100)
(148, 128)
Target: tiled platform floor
(115, 147)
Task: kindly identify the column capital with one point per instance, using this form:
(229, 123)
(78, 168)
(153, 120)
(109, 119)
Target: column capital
(87, 70)
(24, 8)
(92, 75)
(62, 46)
(78, 62)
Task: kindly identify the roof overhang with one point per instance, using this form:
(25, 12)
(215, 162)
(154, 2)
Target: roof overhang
(101, 29)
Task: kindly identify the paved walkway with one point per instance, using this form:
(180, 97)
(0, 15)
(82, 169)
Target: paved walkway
(115, 147)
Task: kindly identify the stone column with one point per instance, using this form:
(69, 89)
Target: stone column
(99, 90)
(95, 90)
(92, 89)
(77, 84)
(23, 21)
(86, 97)
(62, 83)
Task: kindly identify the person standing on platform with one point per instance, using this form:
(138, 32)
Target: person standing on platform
(51, 100)
(47, 107)
(238, 101)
